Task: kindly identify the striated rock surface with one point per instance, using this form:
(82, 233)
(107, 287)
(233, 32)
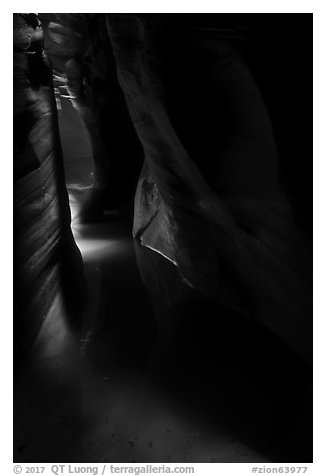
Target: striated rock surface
(209, 197)
(46, 259)
(80, 49)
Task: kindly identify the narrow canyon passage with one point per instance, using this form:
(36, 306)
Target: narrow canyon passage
(123, 390)
(120, 359)
(154, 372)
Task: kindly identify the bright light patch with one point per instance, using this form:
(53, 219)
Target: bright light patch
(99, 246)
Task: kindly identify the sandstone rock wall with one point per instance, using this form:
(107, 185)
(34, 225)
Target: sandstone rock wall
(46, 259)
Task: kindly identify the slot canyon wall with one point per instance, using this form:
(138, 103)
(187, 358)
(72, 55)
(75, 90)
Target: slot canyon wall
(81, 53)
(210, 197)
(46, 259)
(198, 296)
(175, 90)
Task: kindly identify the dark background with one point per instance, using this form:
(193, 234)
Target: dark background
(278, 49)
(279, 52)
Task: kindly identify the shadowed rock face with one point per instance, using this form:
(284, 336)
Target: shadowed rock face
(209, 197)
(80, 48)
(208, 200)
(46, 259)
